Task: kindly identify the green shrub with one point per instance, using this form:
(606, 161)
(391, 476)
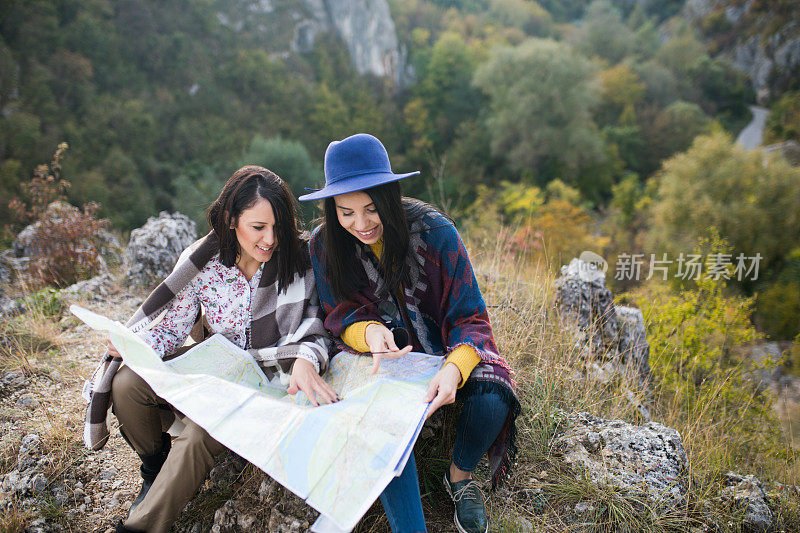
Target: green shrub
(706, 391)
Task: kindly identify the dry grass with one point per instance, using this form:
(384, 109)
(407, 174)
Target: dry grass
(27, 337)
(13, 520)
(32, 343)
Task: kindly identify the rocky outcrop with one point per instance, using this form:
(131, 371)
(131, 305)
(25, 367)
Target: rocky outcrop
(94, 289)
(366, 27)
(765, 47)
(790, 150)
(284, 27)
(612, 338)
(27, 478)
(155, 247)
(643, 462)
(258, 503)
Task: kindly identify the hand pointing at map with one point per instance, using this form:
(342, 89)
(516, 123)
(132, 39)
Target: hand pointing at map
(305, 378)
(382, 345)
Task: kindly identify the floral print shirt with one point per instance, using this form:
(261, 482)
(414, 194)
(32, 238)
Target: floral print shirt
(224, 293)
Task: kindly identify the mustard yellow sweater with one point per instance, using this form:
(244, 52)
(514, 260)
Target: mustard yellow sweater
(464, 357)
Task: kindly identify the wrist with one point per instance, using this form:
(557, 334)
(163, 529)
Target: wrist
(373, 331)
(453, 372)
(301, 362)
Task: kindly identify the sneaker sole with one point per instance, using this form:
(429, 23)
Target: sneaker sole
(459, 527)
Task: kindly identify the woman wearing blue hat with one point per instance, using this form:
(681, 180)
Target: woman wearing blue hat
(393, 275)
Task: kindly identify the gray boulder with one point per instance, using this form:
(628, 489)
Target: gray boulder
(94, 289)
(155, 247)
(23, 243)
(582, 296)
(632, 345)
(612, 338)
(645, 462)
(747, 494)
(10, 270)
(7, 273)
(10, 307)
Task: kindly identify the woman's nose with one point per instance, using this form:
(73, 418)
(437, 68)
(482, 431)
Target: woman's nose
(269, 236)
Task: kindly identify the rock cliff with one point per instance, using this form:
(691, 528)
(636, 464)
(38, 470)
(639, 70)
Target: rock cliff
(762, 41)
(294, 26)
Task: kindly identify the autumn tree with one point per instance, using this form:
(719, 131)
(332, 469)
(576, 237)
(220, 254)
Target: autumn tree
(444, 96)
(783, 123)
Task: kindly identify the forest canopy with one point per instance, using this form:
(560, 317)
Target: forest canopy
(161, 102)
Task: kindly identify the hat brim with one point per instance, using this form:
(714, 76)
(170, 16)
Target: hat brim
(355, 183)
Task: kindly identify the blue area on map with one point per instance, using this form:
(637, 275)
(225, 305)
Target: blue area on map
(381, 459)
(296, 453)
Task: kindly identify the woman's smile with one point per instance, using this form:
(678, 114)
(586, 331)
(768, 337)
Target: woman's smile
(265, 249)
(368, 235)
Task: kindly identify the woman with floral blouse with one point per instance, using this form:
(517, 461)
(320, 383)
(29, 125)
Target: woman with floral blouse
(250, 268)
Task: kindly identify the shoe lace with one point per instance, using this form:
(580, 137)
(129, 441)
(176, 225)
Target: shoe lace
(471, 491)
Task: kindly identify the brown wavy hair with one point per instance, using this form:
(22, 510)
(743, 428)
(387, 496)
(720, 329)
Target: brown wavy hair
(243, 189)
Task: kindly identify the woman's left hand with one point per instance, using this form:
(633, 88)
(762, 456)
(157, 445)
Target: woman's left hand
(443, 387)
(305, 378)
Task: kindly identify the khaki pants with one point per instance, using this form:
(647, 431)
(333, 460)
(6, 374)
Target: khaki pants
(138, 410)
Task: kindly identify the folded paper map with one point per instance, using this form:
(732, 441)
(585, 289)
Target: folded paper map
(337, 457)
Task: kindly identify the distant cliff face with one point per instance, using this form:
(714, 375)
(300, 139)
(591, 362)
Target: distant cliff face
(284, 26)
(761, 41)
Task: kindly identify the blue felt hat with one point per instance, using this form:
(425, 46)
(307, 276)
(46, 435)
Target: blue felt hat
(353, 164)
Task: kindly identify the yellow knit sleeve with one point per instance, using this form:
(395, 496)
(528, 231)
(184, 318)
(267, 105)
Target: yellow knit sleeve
(354, 335)
(466, 359)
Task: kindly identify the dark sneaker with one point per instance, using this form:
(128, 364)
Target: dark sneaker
(470, 513)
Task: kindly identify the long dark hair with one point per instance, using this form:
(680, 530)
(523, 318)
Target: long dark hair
(243, 189)
(396, 213)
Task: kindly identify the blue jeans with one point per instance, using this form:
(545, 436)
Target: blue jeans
(402, 502)
(482, 418)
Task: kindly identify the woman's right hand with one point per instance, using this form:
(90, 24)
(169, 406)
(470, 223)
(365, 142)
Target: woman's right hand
(381, 343)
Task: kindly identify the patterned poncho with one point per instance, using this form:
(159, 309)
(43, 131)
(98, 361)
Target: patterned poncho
(444, 306)
(284, 325)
